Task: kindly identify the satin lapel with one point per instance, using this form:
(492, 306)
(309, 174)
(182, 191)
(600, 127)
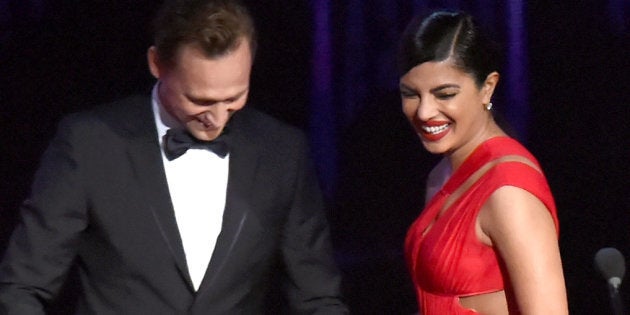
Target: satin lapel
(146, 159)
(243, 165)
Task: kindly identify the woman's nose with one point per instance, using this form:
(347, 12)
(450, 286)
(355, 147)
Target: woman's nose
(426, 109)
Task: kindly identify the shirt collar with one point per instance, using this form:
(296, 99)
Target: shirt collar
(163, 119)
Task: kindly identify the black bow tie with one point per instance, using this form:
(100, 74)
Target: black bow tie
(178, 141)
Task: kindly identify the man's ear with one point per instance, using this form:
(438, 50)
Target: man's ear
(153, 61)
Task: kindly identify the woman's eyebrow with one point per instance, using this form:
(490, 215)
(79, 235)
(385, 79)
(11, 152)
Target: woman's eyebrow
(444, 86)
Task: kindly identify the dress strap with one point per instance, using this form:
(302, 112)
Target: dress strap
(470, 181)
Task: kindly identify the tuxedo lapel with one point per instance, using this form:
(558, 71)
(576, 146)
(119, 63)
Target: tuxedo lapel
(243, 165)
(146, 159)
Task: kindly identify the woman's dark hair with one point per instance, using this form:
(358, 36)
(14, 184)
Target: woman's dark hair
(443, 35)
(216, 26)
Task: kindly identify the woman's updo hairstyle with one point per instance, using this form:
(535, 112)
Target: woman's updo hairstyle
(443, 35)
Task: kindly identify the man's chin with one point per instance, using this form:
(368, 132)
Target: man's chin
(205, 135)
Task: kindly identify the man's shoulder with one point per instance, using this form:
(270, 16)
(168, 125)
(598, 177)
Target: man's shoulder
(127, 113)
(125, 107)
(266, 133)
(257, 122)
(128, 105)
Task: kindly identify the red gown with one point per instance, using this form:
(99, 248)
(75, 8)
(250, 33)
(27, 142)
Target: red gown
(449, 261)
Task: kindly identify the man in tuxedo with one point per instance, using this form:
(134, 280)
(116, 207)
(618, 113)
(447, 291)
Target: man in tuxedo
(182, 202)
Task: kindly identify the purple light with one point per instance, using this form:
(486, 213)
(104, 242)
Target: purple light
(517, 76)
(322, 118)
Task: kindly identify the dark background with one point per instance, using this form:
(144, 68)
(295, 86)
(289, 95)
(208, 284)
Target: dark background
(58, 57)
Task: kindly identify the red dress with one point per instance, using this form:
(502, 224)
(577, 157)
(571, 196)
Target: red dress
(449, 261)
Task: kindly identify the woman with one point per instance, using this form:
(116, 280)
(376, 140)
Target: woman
(487, 241)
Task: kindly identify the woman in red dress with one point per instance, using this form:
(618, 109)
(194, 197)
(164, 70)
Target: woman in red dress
(487, 241)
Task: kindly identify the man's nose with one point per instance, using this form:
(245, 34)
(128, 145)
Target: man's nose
(218, 114)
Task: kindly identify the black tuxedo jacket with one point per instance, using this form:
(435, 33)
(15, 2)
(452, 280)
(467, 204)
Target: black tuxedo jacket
(100, 201)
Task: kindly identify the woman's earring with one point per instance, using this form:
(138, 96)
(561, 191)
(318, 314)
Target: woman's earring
(489, 106)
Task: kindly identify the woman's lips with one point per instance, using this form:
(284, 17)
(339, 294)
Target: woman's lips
(434, 130)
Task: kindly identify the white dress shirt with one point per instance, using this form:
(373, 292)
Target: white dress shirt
(197, 182)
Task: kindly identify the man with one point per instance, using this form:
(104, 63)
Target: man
(156, 227)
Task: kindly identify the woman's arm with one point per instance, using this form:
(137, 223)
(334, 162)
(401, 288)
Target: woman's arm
(522, 230)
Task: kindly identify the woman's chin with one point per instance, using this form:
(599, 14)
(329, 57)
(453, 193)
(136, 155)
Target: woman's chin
(433, 147)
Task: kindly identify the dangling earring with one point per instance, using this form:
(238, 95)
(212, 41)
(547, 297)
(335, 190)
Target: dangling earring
(489, 106)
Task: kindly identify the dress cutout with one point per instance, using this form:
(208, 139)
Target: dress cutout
(449, 261)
